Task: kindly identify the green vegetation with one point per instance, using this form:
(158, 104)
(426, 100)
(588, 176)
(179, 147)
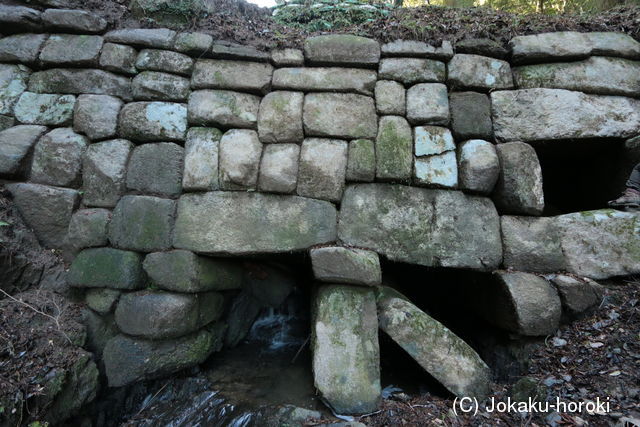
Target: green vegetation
(324, 15)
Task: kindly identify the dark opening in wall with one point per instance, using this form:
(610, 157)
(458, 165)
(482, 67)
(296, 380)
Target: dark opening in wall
(582, 175)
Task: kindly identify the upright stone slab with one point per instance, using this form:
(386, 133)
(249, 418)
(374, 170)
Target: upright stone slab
(106, 268)
(153, 121)
(346, 356)
(428, 103)
(335, 264)
(223, 108)
(201, 159)
(410, 71)
(13, 82)
(280, 117)
(519, 186)
(240, 152)
(479, 73)
(422, 226)
(394, 149)
(361, 162)
(233, 75)
(245, 223)
(80, 81)
(15, 146)
(45, 109)
(478, 166)
(323, 79)
(119, 58)
(71, 50)
(532, 244)
(165, 61)
(104, 169)
(339, 115)
(97, 116)
(439, 351)
(279, 168)
(57, 158)
(322, 170)
(142, 223)
(156, 169)
(470, 115)
(342, 49)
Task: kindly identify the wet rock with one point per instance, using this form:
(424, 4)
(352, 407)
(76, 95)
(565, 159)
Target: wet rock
(119, 58)
(155, 86)
(97, 116)
(335, 264)
(390, 98)
(279, 168)
(341, 49)
(45, 109)
(23, 48)
(15, 146)
(346, 357)
(142, 223)
(439, 171)
(280, 117)
(243, 312)
(223, 108)
(470, 115)
(270, 284)
(478, 166)
(414, 48)
(323, 79)
(240, 152)
(484, 47)
(201, 159)
(195, 44)
(229, 50)
(80, 81)
(20, 18)
(323, 165)
(153, 121)
(13, 82)
(577, 297)
(428, 103)
(435, 235)
(104, 169)
(164, 60)
(102, 300)
(339, 115)
(531, 244)
(88, 228)
(519, 186)
(106, 268)
(479, 72)
(361, 162)
(184, 271)
(410, 71)
(429, 140)
(439, 351)
(68, 49)
(160, 38)
(156, 169)
(394, 149)
(235, 75)
(67, 20)
(287, 57)
(245, 223)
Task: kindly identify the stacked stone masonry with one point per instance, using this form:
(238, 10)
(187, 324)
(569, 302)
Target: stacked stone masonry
(149, 155)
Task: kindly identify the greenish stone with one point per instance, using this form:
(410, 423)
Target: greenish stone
(342, 49)
(13, 82)
(394, 149)
(102, 301)
(361, 163)
(106, 268)
(45, 109)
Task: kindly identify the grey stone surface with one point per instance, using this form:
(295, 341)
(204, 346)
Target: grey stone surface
(69, 49)
(479, 72)
(600, 244)
(45, 109)
(429, 140)
(440, 170)
(344, 344)
(339, 115)
(153, 121)
(428, 103)
(324, 79)
(578, 297)
(156, 86)
(239, 155)
(201, 159)
(410, 71)
(46, 210)
(104, 169)
(280, 117)
(80, 81)
(519, 186)
(15, 146)
(57, 158)
(243, 312)
(482, 46)
(229, 50)
(235, 75)
(613, 44)
(156, 169)
(422, 226)
(97, 116)
(223, 108)
(183, 271)
(100, 329)
(246, 223)
(390, 98)
(599, 75)
(142, 223)
(88, 228)
(546, 114)
(165, 61)
(160, 38)
(440, 352)
(322, 170)
(361, 161)
(22, 48)
(119, 58)
(68, 20)
(195, 44)
(20, 18)
(478, 166)
(549, 46)
(279, 168)
(335, 264)
(394, 149)
(287, 57)
(102, 300)
(13, 82)
(106, 268)
(414, 48)
(470, 115)
(341, 49)
(531, 244)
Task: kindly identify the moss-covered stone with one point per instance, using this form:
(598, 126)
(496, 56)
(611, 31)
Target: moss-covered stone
(361, 163)
(102, 301)
(223, 108)
(106, 268)
(410, 71)
(156, 169)
(394, 149)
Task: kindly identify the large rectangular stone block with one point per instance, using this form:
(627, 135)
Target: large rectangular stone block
(325, 79)
(153, 121)
(80, 81)
(341, 49)
(223, 108)
(323, 165)
(106, 268)
(234, 75)
(339, 115)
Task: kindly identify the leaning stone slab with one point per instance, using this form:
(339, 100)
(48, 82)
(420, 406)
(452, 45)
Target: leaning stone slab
(532, 244)
(335, 264)
(245, 223)
(239, 154)
(280, 117)
(428, 103)
(479, 72)
(344, 343)
(414, 48)
(223, 108)
(80, 81)
(13, 82)
(470, 115)
(45, 109)
(422, 226)
(201, 159)
(75, 21)
(577, 296)
(440, 170)
(160, 38)
(23, 48)
(57, 158)
(88, 228)
(361, 162)
(156, 86)
(97, 116)
(342, 49)
(20, 18)
(598, 75)
(478, 166)
(279, 168)
(323, 165)
(156, 169)
(519, 186)
(142, 223)
(394, 149)
(339, 115)
(601, 244)
(104, 169)
(439, 351)
(183, 271)
(106, 268)
(47, 210)
(73, 50)
(128, 360)
(153, 121)
(119, 58)
(324, 79)
(410, 71)
(165, 61)
(390, 97)
(15, 146)
(234, 75)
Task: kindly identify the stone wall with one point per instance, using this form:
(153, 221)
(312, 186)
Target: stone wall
(152, 156)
